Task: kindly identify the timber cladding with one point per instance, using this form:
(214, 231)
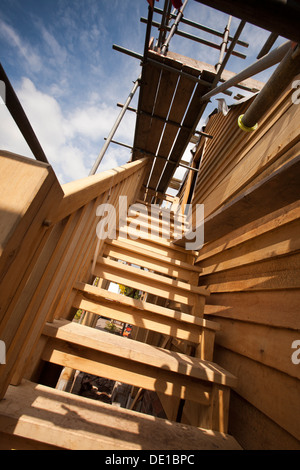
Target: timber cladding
(47, 242)
(253, 270)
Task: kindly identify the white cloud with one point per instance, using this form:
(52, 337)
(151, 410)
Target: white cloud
(11, 138)
(71, 141)
(72, 84)
(32, 59)
(90, 121)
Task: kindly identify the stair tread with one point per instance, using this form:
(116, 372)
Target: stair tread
(68, 421)
(147, 221)
(99, 293)
(131, 246)
(175, 284)
(153, 231)
(139, 352)
(157, 241)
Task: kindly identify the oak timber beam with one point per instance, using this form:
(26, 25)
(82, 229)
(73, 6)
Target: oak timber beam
(56, 418)
(63, 332)
(249, 84)
(103, 297)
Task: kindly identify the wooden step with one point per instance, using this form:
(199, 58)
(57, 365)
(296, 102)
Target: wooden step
(141, 365)
(59, 420)
(164, 248)
(118, 358)
(149, 316)
(146, 281)
(154, 253)
(126, 231)
(162, 220)
(154, 230)
(162, 210)
(150, 260)
(145, 235)
(96, 293)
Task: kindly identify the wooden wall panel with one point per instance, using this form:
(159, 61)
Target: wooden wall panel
(253, 273)
(258, 383)
(234, 159)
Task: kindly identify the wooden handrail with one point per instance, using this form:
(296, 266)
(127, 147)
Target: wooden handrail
(79, 193)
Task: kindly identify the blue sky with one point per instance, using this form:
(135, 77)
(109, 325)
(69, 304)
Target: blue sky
(58, 56)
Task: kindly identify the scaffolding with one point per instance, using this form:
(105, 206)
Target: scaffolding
(174, 90)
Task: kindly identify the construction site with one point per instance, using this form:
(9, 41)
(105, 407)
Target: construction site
(140, 311)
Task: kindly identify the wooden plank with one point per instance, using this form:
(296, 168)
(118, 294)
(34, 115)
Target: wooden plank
(249, 168)
(267, 345)
(281, 403)
(254, 229)
(148, 282)
(138, 352)
(152, 322)
(148, 259)
(148, 89)
(83, 251)
(213, 417)
(181, 100)
(152, 230)
(144, 274)
(86, 256)
(91, 425)
(255, 431)
(273, 308)
(97, 293)
(40, 293)
(199, 66)
(13, 442)
(241, 280)
(126, 371)
(239, 146)
(235, 145)
(23, 237)
(282, 241)
(167, 250)
(156, 266)
(142, 233)
(23, 211)
(83, 234)
(247, 207)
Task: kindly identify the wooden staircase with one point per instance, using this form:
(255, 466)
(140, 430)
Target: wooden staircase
(174, 358)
